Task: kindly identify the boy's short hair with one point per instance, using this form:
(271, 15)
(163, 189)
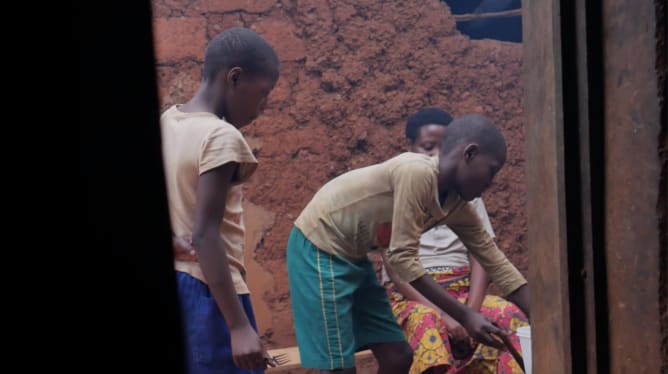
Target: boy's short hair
(426, 116)
(475, 128)
(240, 47)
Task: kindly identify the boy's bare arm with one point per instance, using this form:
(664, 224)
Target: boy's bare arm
(521, 298)
(212, 189)
(454, 328)
(477, 326)
(404, 288)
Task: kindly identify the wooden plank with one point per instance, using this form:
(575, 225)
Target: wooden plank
(632, 174)
(477, 16)
(543, 113)
(294, 360)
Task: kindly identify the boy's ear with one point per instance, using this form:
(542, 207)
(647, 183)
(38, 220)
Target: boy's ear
(471, 151)
(233, 76)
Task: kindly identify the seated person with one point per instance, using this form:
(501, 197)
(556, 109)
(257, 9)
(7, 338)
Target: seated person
(440, 343)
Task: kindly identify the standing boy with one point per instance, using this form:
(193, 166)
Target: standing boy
(206, 159)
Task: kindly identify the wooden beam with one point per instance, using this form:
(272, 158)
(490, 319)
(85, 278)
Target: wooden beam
(477, 16)
(291, 354)
(632, 173)
(548, 261)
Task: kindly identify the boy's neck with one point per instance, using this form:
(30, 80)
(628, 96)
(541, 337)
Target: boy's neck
(446, 179)
(202, 101)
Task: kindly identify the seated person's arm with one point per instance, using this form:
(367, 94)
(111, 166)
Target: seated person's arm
(467, 225)
(479, 282)
(479, 278)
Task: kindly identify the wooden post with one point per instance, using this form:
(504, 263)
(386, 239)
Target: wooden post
(548, 262)
(632, 173)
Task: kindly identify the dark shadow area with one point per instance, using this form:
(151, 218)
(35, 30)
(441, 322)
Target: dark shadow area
(505, 29)
(126, 222)
(585, 172)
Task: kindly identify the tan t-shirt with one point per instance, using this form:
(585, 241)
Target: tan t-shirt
(390, 205)
(440, 246)
(192, 144)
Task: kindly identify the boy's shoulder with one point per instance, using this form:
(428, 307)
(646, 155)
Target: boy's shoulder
(199, 122)
(173, 114)
(412, 157)
(413, 162)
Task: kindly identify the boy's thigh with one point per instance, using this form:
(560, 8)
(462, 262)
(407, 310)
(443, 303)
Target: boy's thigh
(373, 320)
(321, 290)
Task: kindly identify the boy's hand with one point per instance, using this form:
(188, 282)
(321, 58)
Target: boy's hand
(461, 344)
(247, 350)
(455, 329)
(183, 249)
(270, 361)
(481, 329)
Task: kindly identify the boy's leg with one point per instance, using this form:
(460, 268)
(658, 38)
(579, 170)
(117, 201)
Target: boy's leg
(321, 291)
(392, 357)
(375, 326)
(207, 337)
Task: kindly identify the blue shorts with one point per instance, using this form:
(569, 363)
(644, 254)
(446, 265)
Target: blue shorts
(338, 306)
(207, 338)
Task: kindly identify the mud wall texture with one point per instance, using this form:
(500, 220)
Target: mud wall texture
(351, 72)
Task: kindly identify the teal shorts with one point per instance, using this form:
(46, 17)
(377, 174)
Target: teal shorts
(338, 306)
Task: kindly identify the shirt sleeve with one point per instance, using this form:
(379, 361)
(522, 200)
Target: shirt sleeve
(223, 145)
(413, 190)
(466, 223)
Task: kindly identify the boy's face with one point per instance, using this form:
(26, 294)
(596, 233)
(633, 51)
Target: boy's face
(247, 97)
(475, 172)
(428, 141)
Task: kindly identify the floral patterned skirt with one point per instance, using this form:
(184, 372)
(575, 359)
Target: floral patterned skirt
(428, 336)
